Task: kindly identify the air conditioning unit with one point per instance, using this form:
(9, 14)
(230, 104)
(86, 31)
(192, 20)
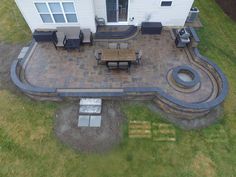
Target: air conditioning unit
(193, 14)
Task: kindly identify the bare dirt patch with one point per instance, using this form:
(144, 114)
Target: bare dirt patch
(203, 166)
(85, 139)
(8, 52)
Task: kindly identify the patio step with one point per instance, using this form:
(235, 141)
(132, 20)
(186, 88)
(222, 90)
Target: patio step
(90, 109)
(89, 121)
(91, 101)
(117, 35)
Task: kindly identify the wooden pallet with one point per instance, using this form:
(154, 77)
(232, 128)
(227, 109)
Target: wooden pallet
(140, 129)
(163, 132)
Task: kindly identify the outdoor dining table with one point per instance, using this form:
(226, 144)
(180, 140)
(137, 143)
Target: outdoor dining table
(118, 56)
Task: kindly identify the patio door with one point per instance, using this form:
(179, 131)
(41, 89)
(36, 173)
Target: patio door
(117, 10)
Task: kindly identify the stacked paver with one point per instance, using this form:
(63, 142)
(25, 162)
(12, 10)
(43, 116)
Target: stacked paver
(90, 112)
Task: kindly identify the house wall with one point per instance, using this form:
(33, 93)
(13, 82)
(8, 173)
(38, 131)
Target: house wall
(100, 8)
(84, 9)
(174, 15)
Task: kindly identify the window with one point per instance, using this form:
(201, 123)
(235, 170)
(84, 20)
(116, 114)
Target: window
(69, 11)
(166, 3)
(56, 12)
(44, 12)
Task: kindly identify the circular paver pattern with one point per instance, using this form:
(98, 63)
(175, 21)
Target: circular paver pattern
(89, 139)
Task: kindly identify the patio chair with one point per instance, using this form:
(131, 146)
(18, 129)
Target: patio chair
(61, 39)
(139, 56)
(112, 45)
(100, 21)
(87, 36)
(123, 45)
(71, 32)
(74, 37)
(97, 55)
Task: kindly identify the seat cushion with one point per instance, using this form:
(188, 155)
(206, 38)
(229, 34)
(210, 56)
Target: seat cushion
(60, 38)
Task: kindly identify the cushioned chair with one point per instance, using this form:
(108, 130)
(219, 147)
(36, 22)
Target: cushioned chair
(71, 32)
(61, 39)
(87, 36)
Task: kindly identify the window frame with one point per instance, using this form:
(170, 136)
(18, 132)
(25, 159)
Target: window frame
(166, 1)
(57, 13)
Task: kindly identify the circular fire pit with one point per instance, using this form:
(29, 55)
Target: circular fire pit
(185, 76)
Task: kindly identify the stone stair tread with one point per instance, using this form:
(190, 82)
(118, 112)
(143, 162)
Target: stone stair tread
(95, 121)
(83, 121)
(91, 101)
(84, 109)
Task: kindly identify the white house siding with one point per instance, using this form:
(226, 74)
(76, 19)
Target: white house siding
(174, 15)
(100, 8)
(84, 9)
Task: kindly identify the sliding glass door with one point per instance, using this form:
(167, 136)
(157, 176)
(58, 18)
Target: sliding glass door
(123, 10)
(117, 10)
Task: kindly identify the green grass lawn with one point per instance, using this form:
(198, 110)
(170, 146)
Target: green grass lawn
(28, 146)
(13, 28)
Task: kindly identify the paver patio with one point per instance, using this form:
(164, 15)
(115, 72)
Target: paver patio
(53, 68)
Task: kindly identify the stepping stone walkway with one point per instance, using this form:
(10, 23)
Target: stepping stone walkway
(140, 129)
(156, 131)
(90, 112)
